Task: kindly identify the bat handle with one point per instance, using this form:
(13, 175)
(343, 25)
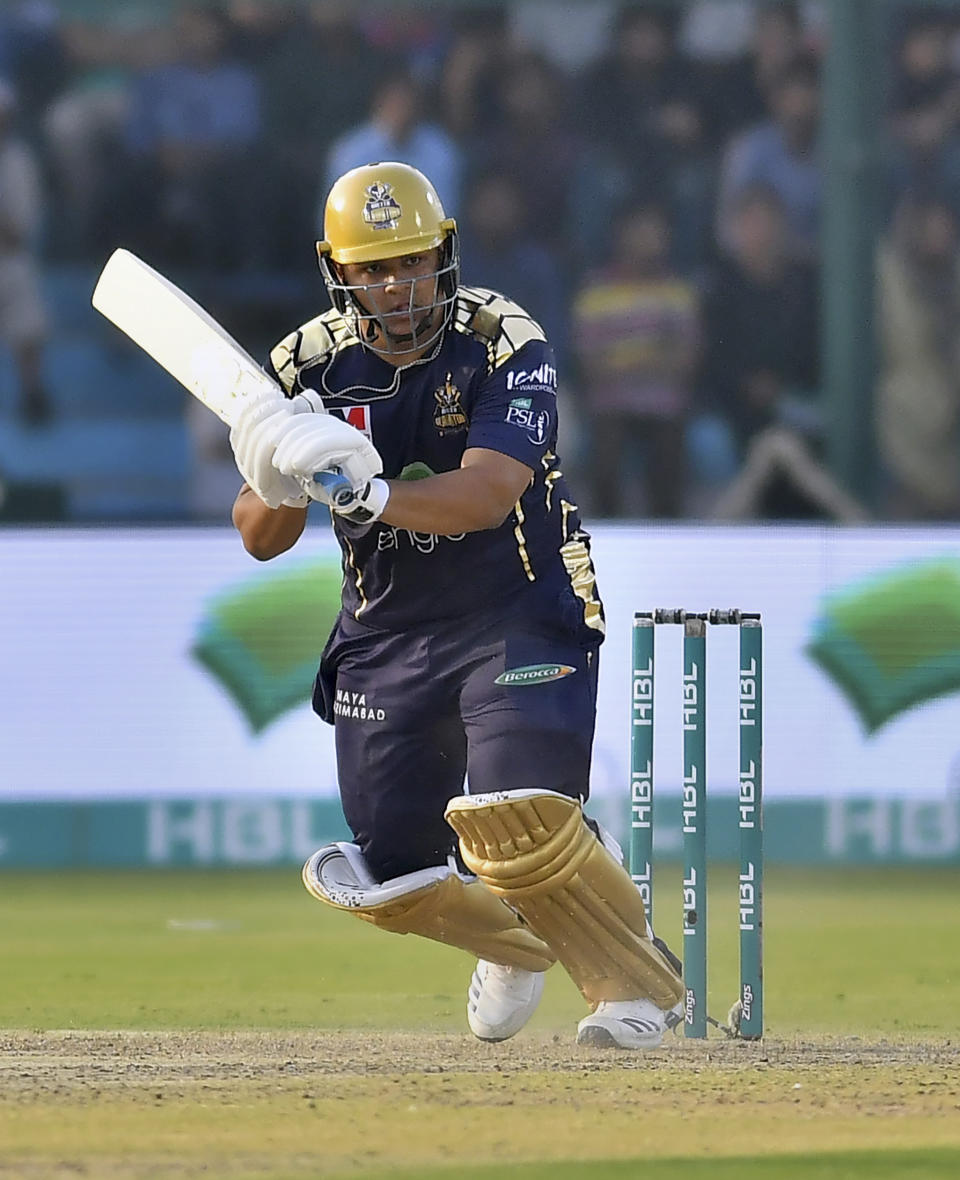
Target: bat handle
(336, 486)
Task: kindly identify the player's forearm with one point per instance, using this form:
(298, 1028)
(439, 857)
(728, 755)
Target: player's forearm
(461, 501)
(266, 532)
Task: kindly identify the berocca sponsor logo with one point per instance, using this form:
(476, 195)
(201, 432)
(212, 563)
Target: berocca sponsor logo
(534, 674)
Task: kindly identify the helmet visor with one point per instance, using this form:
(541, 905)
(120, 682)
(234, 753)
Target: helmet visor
(400, 314)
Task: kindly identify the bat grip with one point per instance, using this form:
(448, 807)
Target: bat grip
(336, 486)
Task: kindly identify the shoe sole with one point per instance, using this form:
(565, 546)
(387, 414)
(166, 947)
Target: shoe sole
(597, 1038)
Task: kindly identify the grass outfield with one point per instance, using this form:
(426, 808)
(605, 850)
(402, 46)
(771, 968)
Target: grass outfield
(188, 1024)
(920, 1165)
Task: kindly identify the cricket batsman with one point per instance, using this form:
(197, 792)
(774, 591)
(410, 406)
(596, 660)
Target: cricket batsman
(466, 649)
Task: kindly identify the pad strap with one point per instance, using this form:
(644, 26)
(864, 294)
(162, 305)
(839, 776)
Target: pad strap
(533, 849)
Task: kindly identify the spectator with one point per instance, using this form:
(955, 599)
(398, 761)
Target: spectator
(412, 32)
(925, 141)
(83, 135)
(313, 93)
(918, 392)
(257, 25)
(761, 369)
(469, 71)
(760, 321)
(528, 135)
(84, 129)
(212, 485)
(569, 36)
(23, 323)
(782, 153)
(717, 31)
(641, 95)
(397, 130)
(192, 126)
(499, 255)
(741, 90)
(923, 67)
(642, 117)
(33, 56)
(636, 332)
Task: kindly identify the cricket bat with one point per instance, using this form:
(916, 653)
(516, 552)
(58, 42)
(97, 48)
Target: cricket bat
(189, 343)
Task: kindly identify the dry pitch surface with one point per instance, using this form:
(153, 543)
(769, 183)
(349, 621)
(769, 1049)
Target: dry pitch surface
(294, 1067)
(121, 1105)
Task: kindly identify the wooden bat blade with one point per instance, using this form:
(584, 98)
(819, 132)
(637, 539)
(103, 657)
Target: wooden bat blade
(189, 343)
(176, 331)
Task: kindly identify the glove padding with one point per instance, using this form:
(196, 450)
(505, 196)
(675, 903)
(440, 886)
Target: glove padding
(367, 504)
(309, 443)
(308, 401)
(253, 439)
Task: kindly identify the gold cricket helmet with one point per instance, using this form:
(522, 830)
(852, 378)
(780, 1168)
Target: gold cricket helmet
(381, 211)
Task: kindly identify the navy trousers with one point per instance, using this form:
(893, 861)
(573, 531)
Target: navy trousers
(505, 703)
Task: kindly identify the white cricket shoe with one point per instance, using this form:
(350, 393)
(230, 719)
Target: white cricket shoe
(624, 1024)
(501, 1000)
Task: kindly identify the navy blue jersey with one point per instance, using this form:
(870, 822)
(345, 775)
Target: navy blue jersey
(490, 382)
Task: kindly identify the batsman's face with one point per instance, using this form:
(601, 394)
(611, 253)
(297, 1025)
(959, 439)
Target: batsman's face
(399, 294)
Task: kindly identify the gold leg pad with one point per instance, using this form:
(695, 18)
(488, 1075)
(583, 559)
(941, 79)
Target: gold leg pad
(446, 908)
(533, 849)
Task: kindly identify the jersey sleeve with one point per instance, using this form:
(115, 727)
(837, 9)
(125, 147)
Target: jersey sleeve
(309, 345)
(515, 411)
(270, 369)
(281, 363)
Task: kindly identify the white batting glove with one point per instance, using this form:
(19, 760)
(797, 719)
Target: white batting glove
(313, 442)
(254, 439)
(368, 503)
(308, 402)
(369, 500)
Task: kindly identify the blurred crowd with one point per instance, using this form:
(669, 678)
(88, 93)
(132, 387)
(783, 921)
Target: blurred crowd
(646, 179)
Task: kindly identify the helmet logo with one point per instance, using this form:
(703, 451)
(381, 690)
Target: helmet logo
(381, 210)
(448, 414)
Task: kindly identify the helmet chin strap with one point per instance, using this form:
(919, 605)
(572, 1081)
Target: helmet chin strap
(398, 344)
(367, 321)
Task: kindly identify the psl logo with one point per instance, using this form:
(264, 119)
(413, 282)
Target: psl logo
(381, 210)
(449, 413)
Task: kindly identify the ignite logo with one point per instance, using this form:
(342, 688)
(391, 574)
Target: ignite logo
(543, 377)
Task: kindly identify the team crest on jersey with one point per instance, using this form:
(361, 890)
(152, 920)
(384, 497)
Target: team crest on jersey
(381, 210)
(449, 413)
